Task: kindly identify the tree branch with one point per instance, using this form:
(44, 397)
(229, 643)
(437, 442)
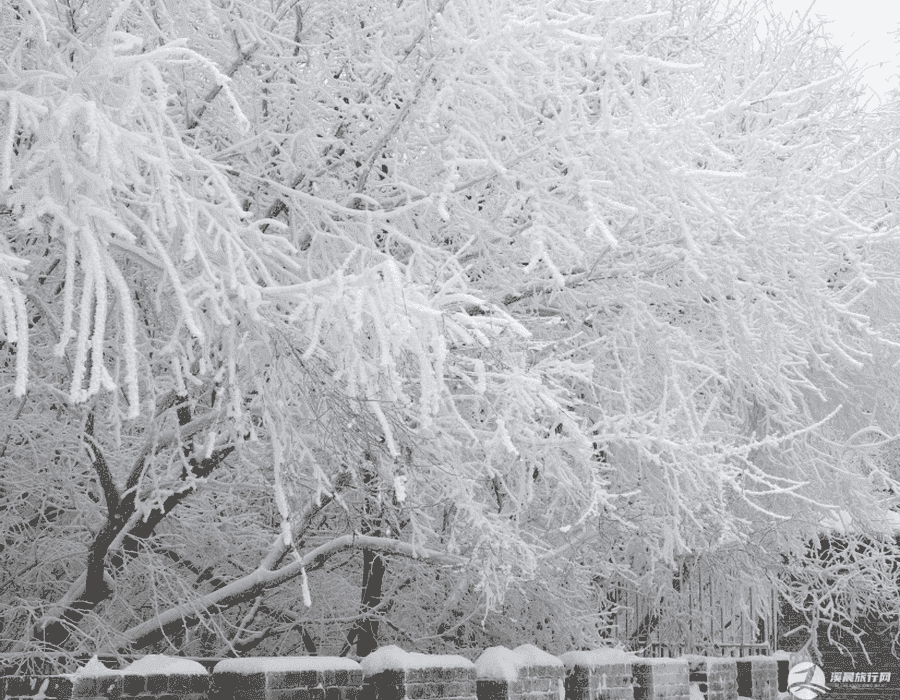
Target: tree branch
(96, 587)
(157, 442)
(145, 527)
(107, 483)
(250, 586)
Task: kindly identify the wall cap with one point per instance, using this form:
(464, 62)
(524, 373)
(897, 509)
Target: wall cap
(502, 664)
(393, 658)
(599, 657)
(280, 664)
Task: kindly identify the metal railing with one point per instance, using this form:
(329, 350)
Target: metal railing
(734, 650)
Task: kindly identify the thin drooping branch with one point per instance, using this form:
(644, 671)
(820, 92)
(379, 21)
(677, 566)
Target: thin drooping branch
(244, 55)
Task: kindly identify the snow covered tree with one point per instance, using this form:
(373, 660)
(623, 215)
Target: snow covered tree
(426, 321)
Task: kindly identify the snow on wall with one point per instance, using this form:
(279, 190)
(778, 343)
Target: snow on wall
(93, 668)
(663, 661)
(536, 657)
(393, 658)
(161, 664)
(266, 664)
(598, 657)
(502, 664)
(498, 664)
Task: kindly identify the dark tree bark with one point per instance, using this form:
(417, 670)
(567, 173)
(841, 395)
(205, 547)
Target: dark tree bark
(96, 588)
(365, 632)
(373, 578)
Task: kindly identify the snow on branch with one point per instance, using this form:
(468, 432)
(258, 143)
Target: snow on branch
(261, 580)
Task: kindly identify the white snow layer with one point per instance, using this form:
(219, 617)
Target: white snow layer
(696, 693)
(393, 658)
(598, 657)
(93, 668)
(162, 664)
(536, 657)
(841, 520)
(498, 664)
(263, 664)
(502, 664)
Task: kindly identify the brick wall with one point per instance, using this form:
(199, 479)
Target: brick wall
(602, 674)
(393, 674)
(523, 673)
(758, 678)
(169, 678)
(150, 678)
(31, 687)
(717, 677)
(287, 678)
(661, 679)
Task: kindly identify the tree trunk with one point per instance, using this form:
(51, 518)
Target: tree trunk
(365, 632)
(373, 577)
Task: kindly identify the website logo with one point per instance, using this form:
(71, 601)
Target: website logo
(806, 681)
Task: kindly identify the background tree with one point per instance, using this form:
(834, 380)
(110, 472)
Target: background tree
(428, 322)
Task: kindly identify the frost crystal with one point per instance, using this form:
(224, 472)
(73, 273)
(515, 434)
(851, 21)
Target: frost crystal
(400, 487)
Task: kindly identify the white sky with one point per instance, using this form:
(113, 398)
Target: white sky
(857, 22)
